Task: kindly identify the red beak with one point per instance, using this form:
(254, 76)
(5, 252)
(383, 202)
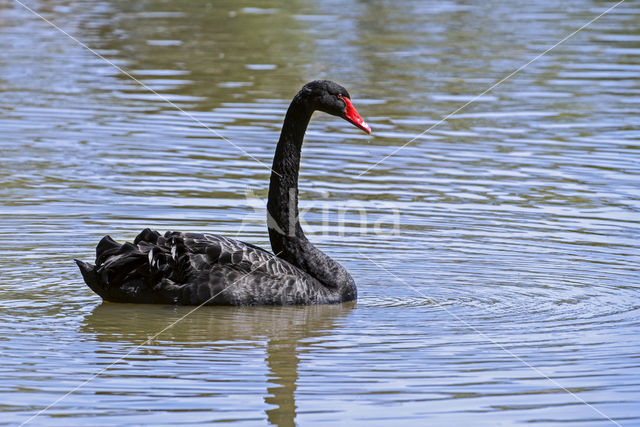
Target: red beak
(352, 116)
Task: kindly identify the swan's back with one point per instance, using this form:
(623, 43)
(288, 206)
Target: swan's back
(198, 268)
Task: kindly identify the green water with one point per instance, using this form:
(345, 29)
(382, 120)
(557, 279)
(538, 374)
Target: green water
(497, 255)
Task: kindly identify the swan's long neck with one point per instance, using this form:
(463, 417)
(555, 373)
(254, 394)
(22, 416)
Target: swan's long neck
(287, 238)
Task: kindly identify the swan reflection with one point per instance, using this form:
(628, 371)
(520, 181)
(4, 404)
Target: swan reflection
(279, 331)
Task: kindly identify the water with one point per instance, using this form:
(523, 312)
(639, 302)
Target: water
(496, 255)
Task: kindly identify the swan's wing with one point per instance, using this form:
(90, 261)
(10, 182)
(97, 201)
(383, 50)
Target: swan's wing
(195, 268)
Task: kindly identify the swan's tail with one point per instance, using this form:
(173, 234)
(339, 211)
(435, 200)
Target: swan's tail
(90, 277)
(119, 269)
(127, 272)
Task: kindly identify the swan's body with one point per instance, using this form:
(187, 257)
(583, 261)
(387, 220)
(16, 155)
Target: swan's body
(193, 269)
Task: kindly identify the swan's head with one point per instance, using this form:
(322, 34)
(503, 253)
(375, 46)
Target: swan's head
(331, 98)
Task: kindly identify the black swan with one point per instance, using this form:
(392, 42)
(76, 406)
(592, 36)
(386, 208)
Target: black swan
(194, 269)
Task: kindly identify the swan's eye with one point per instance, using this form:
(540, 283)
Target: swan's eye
(339, 96)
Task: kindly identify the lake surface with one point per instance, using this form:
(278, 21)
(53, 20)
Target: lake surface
(497, 255)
